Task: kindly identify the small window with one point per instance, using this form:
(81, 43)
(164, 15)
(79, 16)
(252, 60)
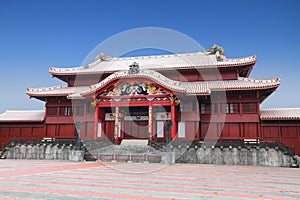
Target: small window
(65, 111)
(209, 108)
(230, 108)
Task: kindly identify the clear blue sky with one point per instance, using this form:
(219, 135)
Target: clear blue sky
(35, 35)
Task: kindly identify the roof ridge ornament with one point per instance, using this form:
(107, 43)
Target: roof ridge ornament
(134, 68)
(218, 51)
(103, 57)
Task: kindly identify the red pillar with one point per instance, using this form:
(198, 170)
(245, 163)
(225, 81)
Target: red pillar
(116, 125)
(173, 120)
(150, 123)
(96, 122)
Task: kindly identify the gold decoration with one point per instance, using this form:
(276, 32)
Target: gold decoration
(94, 103)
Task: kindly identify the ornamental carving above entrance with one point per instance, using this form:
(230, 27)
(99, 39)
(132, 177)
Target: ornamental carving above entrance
(132, 89)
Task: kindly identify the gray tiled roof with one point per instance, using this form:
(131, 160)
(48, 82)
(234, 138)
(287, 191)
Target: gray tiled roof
(159, 62)
(280, 114)
(189, 88)
(22, 116)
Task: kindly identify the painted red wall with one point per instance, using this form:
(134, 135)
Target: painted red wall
(285, 131)
(21, 130)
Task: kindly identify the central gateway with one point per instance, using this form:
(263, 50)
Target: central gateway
(135, 122)
(134, 109)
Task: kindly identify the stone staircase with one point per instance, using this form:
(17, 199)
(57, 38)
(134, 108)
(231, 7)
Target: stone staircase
(127, 151)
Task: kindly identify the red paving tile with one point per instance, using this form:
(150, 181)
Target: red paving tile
(35, 179)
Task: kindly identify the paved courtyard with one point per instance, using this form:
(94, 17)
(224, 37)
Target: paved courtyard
(36, 179)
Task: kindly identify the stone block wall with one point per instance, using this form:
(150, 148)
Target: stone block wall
(44, 152)
(256, 156)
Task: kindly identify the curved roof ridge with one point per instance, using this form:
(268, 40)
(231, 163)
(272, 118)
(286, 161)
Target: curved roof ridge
(170, 61)
(60, 90)
(150, 74)
(261, 80)
(189, 88)
(46, 88)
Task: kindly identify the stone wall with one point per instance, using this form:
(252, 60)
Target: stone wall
(233, 156)
(257, 156)
(44, 152)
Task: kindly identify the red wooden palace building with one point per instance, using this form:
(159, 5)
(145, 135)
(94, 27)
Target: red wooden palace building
(194, 97)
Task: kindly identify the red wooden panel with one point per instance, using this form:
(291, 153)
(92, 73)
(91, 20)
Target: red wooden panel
(127, 128)
(235, 131)
(143, 129)
(250, 130)
(190, 132)
(14, 132)
(190, 77)
(230, 131)
(90, 130)
(203, 127)
(51, 130)
(109, 130)
(270, 132)
(228, 75)
(135, 129)
(225, 131)
(289, 131)
(66, 131)
(38, 132)
(26, 132)
(209, 131)
(3, 132)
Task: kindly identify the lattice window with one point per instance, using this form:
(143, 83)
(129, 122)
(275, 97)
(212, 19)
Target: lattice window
(209, 108)
(230, 108)
(65, 111)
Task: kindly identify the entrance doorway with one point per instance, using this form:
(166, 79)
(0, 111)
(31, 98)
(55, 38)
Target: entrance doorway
(135, 129)
(135, 122)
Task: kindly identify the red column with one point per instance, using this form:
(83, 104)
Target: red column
(116, 125)
(96, 122)
(150, 123)
(173, 120)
